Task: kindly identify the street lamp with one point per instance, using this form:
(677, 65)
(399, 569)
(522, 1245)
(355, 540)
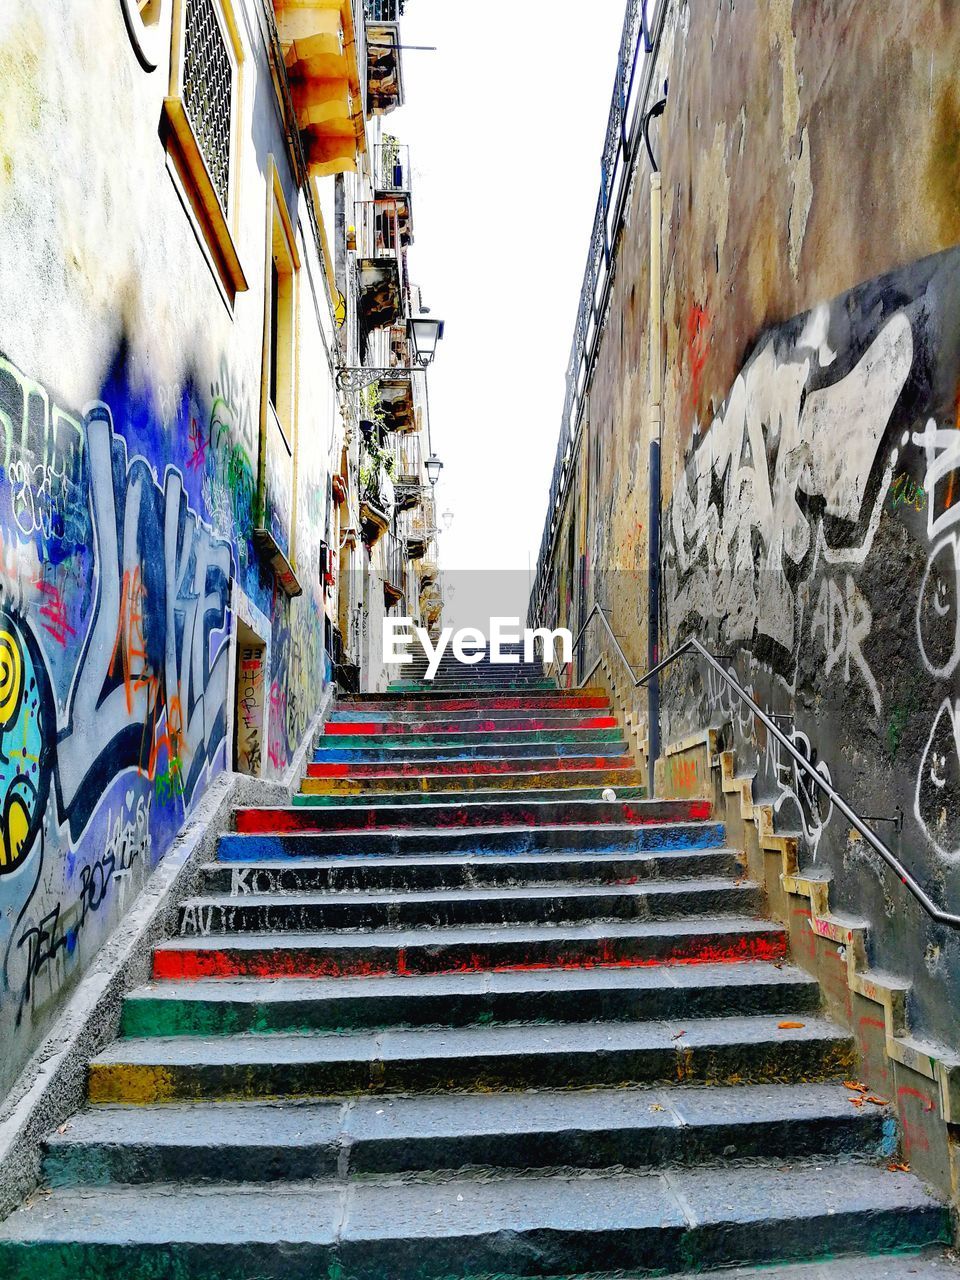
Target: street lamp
(433, 467)
(424, 332)
(447, 519)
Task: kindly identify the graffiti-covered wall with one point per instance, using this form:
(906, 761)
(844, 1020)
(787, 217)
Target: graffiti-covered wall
(809, 283)
(812, 536)
(145, 638)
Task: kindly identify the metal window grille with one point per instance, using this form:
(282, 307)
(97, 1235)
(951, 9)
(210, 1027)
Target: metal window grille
(208, 90)
(383, 10)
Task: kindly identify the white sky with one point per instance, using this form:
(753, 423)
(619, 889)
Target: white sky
(505, 124)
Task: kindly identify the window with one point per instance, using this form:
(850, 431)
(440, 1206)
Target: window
(200, 129)
(208, 91)
(277, 465)
(280, 316)
(274, 329)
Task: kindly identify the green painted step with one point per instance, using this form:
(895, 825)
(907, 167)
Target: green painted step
(506, 738)
(489, 792)
(248, 1005)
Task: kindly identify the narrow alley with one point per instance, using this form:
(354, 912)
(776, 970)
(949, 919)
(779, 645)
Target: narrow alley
(479, 640)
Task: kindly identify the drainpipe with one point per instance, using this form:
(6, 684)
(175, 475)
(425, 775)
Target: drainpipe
(656, 415)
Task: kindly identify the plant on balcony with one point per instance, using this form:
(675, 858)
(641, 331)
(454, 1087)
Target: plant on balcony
(376, 492)
(371, 402)
(376, 464)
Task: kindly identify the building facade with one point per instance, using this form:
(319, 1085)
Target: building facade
(798, 302)
(202, 226)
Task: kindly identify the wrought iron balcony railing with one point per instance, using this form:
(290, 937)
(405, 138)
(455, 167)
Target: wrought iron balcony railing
(378, 228)
(391, 166)
(395, 568)
(383, 10)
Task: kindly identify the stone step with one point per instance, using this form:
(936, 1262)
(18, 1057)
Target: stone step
(476, 673)
(482, 663)
(519, 716)
(460, 1226)
(361, 1136)
(694, 1051)
(457, 727)
(226, 1006)
(469, 675)
(493, 791)
(258, 913)
(469, 949)
(489, 682)
(348, 874)
(475, 813)
(427, 774)
(609, 838)
(505, 738)
(596, 744)
(546, 700)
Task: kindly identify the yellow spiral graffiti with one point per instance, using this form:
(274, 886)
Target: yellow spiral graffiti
(11, 677)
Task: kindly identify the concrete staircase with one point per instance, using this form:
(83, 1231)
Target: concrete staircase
(454, 1014)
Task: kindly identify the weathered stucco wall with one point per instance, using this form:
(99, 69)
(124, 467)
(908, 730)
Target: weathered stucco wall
(129, 436)
(811, 202)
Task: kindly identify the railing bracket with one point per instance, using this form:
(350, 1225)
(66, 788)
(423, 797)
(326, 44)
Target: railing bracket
(896, 821)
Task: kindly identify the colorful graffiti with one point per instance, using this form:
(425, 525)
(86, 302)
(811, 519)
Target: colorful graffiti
(775, 548)
(250, 687)
(780, 484)
(27, 727)
(123, 530)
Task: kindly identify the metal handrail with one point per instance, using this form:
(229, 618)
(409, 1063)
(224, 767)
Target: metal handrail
(693, 644)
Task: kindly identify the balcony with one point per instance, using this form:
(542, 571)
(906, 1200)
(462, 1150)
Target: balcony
(394, 571)
(381, 269)
(384, 64)
(391, 167)
(429, 594)
(407, 472)
(422, 529)
(395, 400)
(377, 498)
(319, 48)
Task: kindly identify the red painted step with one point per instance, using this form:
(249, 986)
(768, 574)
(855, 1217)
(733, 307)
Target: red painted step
(535, 702)
(463, 950)
(336, 728)
(483, 813)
